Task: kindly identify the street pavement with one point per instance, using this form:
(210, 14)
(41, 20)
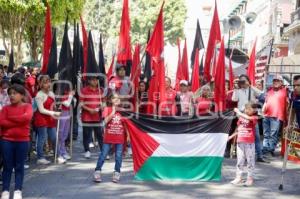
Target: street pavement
(74, 180)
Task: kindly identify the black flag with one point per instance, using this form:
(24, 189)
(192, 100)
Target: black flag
(92, 66)
(11, 63)
(52, 64)
(198, 43)
(76, 55)
(101, 62)
(147, 68)
(65, 61)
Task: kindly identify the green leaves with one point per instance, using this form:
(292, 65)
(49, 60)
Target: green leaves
(106, 17)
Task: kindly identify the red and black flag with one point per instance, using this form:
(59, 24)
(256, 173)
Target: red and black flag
(84, 46)
(47, 40)
(101, 63)
(214, 37)
(65, 61)
(52, 64)
(155, 48)
(220, 92)
(195, 74)
(124, 48)
(76, 54)
(147, 67)
(185, 64)
(11, 63)
(92, 66)
(198, 43)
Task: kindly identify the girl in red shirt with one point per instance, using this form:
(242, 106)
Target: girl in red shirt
(15, 128)
(45, 117)
(245, 143)
(114, 134)
(203, 103)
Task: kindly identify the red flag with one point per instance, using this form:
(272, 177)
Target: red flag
(185, 64)
(195, 74)
(110, 70)
(178, 73)
(251, 67)
(214, 37)
(124, 47)
(231, 75)
(85, 46)
(155, 48)
(47, 40)
(136, 72)
(220, 94)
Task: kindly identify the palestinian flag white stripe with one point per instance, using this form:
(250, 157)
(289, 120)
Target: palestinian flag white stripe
(190, 145)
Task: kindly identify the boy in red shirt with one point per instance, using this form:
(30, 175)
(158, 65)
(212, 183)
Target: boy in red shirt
(15, 128)
(114, 134)
(90, 101)
(245, 143)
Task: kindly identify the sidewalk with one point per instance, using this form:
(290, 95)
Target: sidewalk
(74, 181)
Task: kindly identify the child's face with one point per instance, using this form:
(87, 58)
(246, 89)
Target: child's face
(93, 82)
(115, 101)
(46, 84)
(15, 97)
(249, 111)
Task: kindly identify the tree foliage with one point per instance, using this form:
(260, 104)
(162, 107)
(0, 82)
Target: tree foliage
(23, 21)
(105, 16)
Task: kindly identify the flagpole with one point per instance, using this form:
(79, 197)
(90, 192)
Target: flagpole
(56, 142)
(71, 131)
(267, 65)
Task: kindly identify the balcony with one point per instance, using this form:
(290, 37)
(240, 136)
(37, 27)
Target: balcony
(295, 23)
(295, 16)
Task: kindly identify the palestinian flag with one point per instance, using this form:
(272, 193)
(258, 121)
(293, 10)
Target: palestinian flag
(177, 148)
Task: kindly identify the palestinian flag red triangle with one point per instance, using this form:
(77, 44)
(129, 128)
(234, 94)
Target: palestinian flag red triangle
(144, 144)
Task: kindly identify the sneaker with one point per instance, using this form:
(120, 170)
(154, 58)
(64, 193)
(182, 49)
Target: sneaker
(91, 145)
(43, 161)
(97, 176)
(17, 194)
(237, 181)
(61, 160)
(87, 155)
(67, 157)
(116, 177)
(249, 182)
(26, 166)
(5, 195)
(107, 157)
(262, 160)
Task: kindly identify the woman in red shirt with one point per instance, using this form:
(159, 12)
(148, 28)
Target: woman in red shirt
(45, 117)
(114, 134)
(203, 103)
(15, 128)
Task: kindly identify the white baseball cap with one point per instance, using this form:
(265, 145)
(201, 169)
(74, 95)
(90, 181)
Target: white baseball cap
(184, 82)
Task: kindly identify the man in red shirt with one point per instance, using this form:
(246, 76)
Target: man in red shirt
(90, 101)
(274, 111)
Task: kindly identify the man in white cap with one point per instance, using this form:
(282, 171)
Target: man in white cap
(274, 111)
(186, 98)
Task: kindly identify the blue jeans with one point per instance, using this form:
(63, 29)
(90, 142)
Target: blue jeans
(14, 155)
(258, 150)
(104, 152)
(42, 134)
(271, 127)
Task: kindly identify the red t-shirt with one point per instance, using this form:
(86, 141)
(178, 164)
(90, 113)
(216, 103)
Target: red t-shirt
(15, 122)
(92, 99)
(169, 108)
(246, 130)
(203, 105)
(276, 103)
(114, 132)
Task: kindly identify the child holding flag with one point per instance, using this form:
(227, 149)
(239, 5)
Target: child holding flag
(15, 122)
(245, 143)
(114, 134)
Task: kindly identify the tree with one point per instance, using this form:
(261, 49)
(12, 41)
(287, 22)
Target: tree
(23, 21)
(105, 16)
